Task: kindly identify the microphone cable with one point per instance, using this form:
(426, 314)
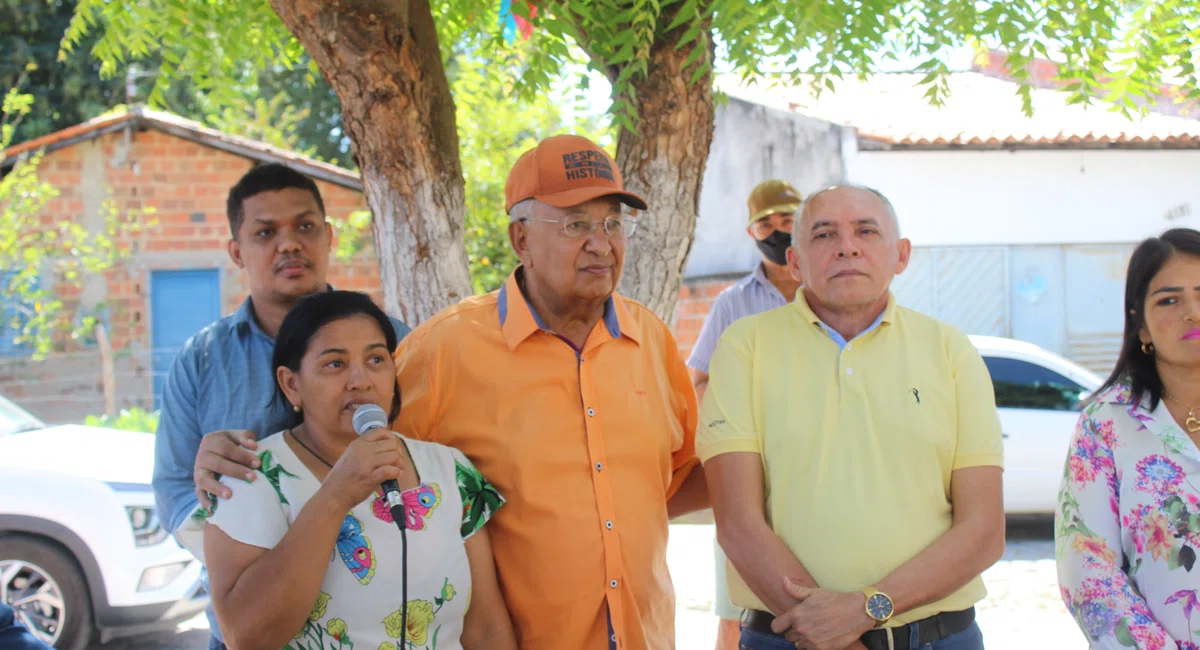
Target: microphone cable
(368, 417)
(400, 516)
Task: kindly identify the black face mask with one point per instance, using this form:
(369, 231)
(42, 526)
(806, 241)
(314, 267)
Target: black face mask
(775, 246)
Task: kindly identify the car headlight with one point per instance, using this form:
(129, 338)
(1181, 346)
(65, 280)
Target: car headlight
(147, 530)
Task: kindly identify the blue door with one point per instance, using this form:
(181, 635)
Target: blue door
(181, 304)
(11, 321)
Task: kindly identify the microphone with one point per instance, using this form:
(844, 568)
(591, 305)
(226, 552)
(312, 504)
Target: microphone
(366, 418)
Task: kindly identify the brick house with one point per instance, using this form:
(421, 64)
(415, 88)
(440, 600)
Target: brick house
(178, 276)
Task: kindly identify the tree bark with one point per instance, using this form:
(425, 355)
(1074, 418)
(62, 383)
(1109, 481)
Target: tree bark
(664, 162)
(382, 59)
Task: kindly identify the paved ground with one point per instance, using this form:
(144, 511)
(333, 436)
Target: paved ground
(1022, 610)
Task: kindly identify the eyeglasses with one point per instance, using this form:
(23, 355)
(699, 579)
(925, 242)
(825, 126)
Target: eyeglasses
(613, 227)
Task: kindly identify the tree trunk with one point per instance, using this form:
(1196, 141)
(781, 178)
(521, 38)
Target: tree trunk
(383, 60)
(664, 162)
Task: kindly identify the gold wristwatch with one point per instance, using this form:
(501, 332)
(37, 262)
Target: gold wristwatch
(879, 605)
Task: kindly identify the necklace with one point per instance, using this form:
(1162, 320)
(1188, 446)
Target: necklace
(402, 441)
(1192, 423)
(314, 454)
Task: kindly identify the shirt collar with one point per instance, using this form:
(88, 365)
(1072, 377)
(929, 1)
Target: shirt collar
(887, 316)
(1158, 421)
(760, 276)
(518, 321)
(244, 320)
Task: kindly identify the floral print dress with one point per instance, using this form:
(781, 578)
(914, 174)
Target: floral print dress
(359, 601)
(1127, 529)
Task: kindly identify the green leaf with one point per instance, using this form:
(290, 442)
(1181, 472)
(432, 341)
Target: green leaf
(1123, 635)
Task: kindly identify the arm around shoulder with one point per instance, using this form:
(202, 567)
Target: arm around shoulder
(177, 440)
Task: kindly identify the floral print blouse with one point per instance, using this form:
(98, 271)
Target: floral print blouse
(359, 601)
(1127, 527)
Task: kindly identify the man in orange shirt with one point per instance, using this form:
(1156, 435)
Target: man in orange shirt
(575, 403)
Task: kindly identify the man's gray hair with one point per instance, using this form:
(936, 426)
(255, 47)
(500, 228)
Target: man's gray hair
(887, 204)
(521, 210)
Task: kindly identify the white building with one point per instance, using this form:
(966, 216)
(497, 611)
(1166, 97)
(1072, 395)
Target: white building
(1021, 226)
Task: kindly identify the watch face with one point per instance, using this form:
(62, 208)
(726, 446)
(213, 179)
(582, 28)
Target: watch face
(879, 607)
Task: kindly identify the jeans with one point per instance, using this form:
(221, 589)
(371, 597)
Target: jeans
(969, 639)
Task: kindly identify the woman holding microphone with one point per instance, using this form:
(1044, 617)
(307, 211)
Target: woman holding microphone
(308, 555)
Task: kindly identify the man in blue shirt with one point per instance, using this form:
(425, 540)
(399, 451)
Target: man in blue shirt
(220, 393)
(13, 635)
(772, 206)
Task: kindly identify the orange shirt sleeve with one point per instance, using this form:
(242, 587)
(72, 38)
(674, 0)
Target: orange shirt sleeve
(416, 373)
(683, 454)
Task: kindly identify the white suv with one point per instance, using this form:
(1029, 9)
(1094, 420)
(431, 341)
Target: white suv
(82, 554)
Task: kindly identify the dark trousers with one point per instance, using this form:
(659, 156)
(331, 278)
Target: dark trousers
(969, 639)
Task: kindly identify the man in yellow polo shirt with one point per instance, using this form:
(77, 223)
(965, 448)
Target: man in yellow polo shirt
(575, 403)
(853, 451)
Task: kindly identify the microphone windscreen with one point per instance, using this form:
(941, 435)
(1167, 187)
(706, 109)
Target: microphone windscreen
(367, 417)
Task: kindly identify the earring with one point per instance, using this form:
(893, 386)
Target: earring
(1147, 348)
(296, 408)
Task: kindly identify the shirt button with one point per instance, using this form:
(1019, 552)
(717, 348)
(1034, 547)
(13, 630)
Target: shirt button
(849, 371)
(849, 346)
(599, 466)
(608, 524)
(591, 412)
(613, 584)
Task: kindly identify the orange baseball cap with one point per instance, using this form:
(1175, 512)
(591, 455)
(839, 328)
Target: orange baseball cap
(564, 171)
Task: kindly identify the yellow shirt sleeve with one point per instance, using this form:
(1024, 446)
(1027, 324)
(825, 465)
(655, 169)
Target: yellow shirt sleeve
(979, 436)
(727, 416)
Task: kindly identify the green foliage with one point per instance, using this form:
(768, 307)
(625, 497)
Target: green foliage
(66, 91)
(352, 234)
(1108, 49)
(134, 419)
(216, 46)
(1118, 51)
(286, 106)
(35, 256)
(273, 121)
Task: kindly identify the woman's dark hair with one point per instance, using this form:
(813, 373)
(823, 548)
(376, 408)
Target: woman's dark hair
(1135, 367)
(309, 315)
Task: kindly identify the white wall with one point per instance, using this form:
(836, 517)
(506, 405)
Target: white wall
(1033, 197)
(753, 143)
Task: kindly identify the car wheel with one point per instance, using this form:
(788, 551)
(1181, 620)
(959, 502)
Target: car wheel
(47, 592)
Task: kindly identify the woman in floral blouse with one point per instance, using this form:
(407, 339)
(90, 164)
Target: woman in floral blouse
(307, 555)
(1127, 530)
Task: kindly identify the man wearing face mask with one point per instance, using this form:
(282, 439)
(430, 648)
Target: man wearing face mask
(772, 206)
